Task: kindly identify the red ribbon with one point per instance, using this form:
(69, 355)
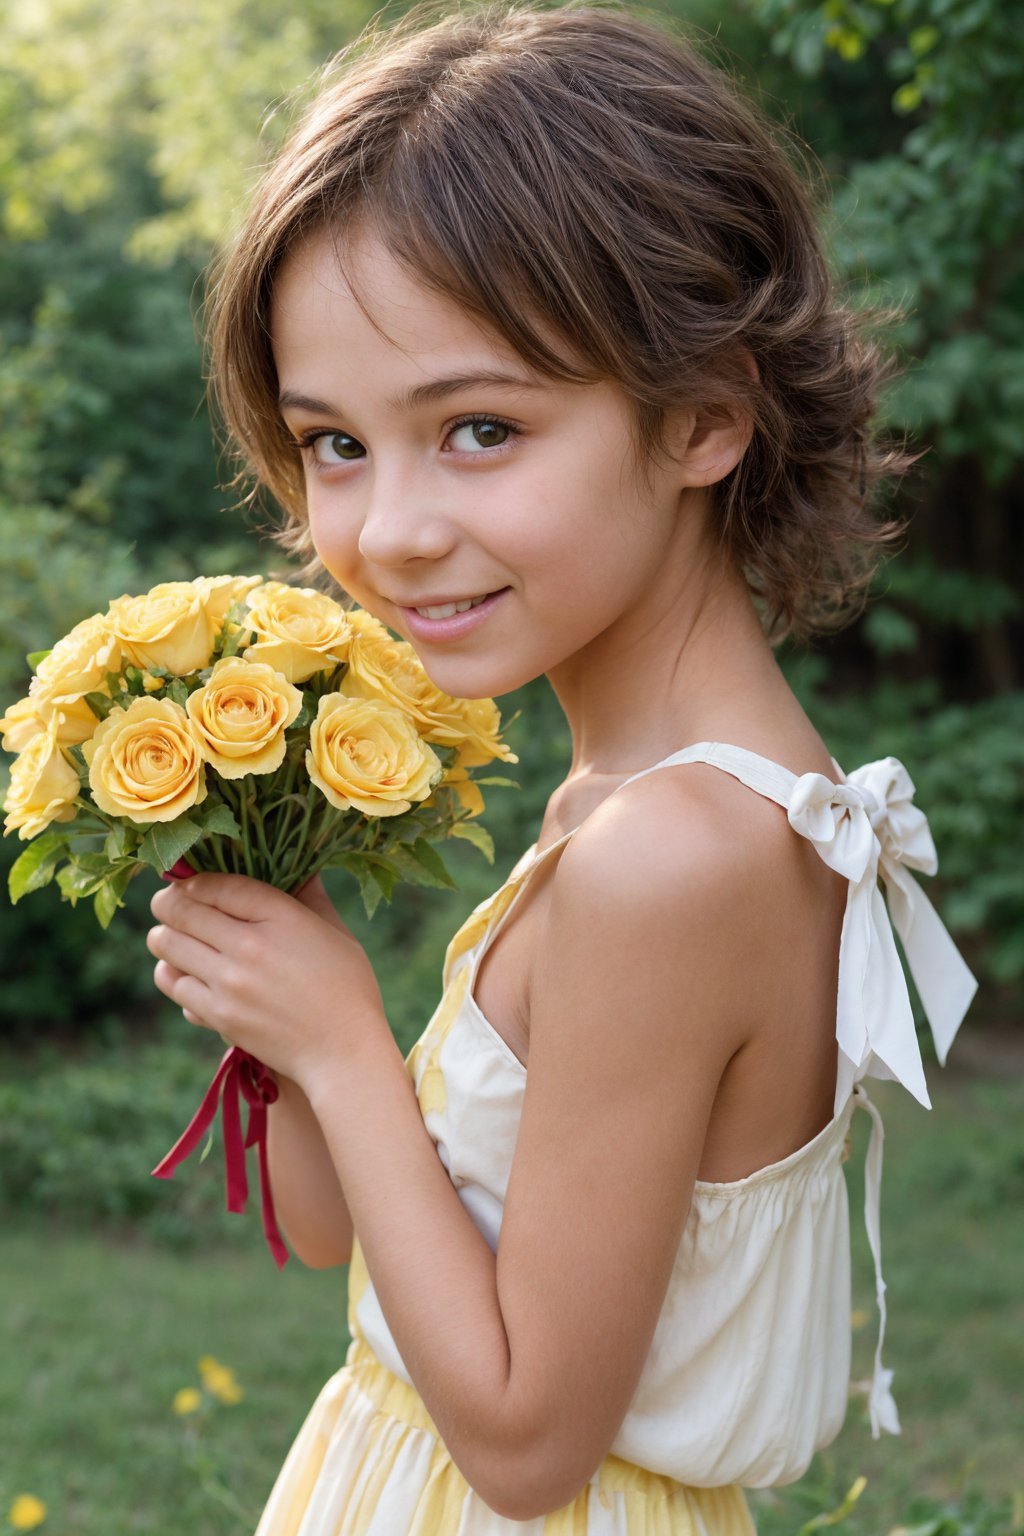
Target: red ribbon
(239, 1074)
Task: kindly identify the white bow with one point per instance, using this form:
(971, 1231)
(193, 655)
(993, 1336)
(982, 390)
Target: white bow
(864, 828)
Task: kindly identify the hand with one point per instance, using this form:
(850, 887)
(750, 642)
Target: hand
(280, 976)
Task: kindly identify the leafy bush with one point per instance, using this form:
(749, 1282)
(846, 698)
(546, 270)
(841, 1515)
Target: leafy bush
(80, 1134)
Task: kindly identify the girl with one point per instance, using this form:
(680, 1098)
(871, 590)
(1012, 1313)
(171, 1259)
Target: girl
(530, 333)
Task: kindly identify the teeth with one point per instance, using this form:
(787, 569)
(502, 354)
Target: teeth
(446, 610)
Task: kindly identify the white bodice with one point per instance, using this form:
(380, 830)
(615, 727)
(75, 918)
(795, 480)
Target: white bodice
(748, 1371)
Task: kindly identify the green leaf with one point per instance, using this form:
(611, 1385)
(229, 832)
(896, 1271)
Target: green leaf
(305, 716)
(109, 896)
(219, 819)
(35, 657)
(371, 889)
(177, 691)
(116, 845)
(429, 856)
(35, 867)
(166, 841)
(416, 870)
(74, 881)
(100, 704)
(477, 835)
(505, 783)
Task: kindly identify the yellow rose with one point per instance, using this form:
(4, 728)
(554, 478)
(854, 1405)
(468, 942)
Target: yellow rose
(77, 665)
(146, 762)
(363, 623)
(164, 627)
(19, 726)
(241, 715)
(481, 723)
(298, 631)
(366, 754)
(383, 668)
(43, 787)
(391, 670)
(219, 593)
(468, 794)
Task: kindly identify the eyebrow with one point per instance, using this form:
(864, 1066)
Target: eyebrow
(418, 394)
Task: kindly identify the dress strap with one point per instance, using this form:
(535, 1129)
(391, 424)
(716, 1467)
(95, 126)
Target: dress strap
(881, 1403)
(865, 826)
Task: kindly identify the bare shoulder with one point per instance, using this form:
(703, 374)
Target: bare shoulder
(687, 842)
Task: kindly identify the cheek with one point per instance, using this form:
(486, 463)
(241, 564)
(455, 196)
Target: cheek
(334, 541)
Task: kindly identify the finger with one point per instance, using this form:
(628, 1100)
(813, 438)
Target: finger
(191, 996)
(187, 956)
(251, 901)
(175, 908)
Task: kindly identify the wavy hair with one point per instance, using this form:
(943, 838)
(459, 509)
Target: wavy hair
(582, 172)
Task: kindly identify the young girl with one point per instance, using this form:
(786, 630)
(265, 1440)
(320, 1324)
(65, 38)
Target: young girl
(531, 315)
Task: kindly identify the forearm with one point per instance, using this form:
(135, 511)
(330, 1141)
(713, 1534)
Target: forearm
(432, 1269)
(308, 1198)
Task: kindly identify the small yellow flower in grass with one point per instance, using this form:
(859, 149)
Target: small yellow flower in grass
(219, 1380)
(858, 1318)
(26, 1512)
(187, 1400)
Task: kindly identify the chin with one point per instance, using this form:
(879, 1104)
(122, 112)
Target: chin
(469, 677)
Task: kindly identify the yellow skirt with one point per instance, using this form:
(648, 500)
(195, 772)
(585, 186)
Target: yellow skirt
(368, 1461)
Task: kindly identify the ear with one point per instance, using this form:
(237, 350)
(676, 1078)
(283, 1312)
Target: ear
(718, 441)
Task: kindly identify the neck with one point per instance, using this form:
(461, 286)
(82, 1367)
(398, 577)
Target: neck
(691, 664)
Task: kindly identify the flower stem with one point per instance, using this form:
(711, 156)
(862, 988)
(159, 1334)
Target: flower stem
(243, 821)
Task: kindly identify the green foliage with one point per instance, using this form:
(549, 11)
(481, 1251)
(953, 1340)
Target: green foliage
(929, 218)
(79, 1136)
(114, 190)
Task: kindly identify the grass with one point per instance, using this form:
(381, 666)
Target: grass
(99, 1333)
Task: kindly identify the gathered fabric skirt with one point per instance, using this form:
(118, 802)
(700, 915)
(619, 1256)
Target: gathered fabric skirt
(368, 1461)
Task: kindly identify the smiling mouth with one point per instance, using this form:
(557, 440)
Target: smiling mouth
(448, 610)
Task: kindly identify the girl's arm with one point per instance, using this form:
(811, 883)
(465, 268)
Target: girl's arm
(308, 1197)
(526, 1359)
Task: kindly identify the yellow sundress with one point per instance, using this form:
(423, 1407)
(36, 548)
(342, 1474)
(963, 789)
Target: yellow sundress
(748, 1371)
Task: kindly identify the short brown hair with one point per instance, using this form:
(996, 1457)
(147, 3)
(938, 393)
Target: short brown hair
(583, 166)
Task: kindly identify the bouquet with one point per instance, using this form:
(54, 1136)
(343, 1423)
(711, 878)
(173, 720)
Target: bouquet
(236, 724)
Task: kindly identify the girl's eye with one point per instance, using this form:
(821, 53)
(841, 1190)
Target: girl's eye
(483, 430)
(333, 447)
(481, 433)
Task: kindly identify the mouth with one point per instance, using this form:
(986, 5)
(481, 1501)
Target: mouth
(450, 606)
(452, 619)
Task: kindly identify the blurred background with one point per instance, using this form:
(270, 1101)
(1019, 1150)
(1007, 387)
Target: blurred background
(130, 131)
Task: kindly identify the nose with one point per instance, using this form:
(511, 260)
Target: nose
(403, 523)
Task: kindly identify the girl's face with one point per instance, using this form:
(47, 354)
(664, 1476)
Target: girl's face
(428, 483)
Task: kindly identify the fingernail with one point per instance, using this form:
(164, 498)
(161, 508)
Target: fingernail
(180, 870)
